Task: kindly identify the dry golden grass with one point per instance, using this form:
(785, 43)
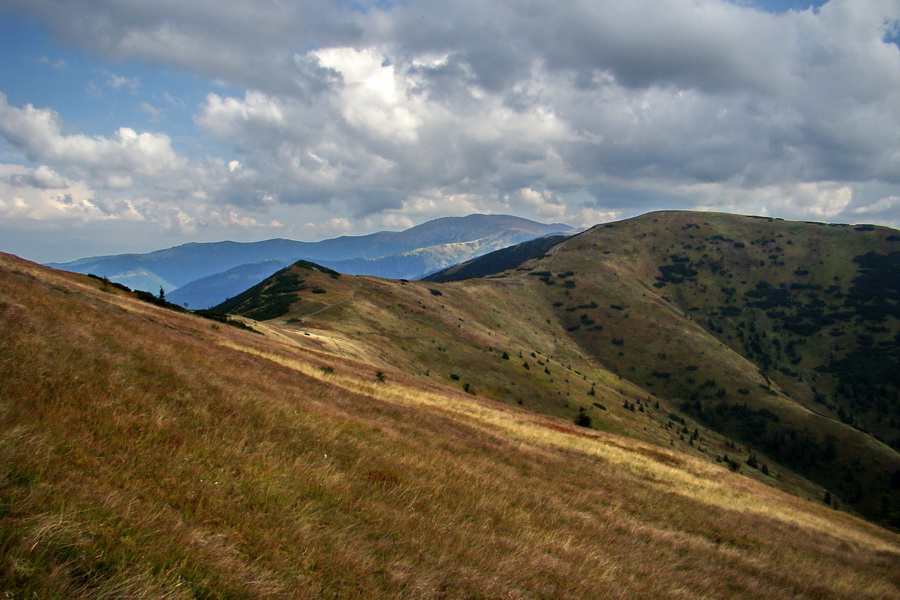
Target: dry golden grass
(589, 316)
(147, 454)
(458, 338)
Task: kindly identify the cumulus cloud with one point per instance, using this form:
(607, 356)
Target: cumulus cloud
(375, 139)
(42, 178)
(40, 194)
(819, 200)
(371, 98)
(544, 203)
(391, 113)
(129, 176)
(38, 133)
(716, 92)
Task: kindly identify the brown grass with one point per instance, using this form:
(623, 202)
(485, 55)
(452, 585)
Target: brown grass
(607, 327)
(147, 454)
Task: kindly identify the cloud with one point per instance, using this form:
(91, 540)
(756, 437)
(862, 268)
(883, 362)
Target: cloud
(173, 100)
(251, 45)
(58, 64)
(715, 92)
(374, 138)
(122, 83)
(154, 112)
(398, 222)
(127, 176)
(587, 217)
(372, 99)
(883, 205)
(819, 200)
(709, 45)
(546, 204)
(41, 194)
(38, 133)
(390, 113)
(333, 227)
(42, 178)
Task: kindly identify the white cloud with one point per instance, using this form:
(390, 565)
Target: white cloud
(545, 204)
(882, 205)
(155, 113)
(398, 222)
(820, 200)
(339, 224)
(232, 217)
(226, 118)
(587, 217)
(333, 227)
(371, 96)
(173, 100)
(128, 176)
(431, 204)
(123, 83)
(392, 113)
(43, 178)
(43, 195)
(38, 133)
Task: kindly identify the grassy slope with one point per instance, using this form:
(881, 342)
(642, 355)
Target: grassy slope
(593, 314)
(727, 348)
(146, 453)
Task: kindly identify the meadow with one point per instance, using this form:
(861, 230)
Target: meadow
(146, 453)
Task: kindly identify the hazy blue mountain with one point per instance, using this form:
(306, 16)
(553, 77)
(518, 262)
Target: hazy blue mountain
(204, 292)
(496, 261)
(182, 264)
(204, 274)
(418, 263)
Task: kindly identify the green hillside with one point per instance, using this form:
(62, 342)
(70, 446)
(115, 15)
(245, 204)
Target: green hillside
(767, 345)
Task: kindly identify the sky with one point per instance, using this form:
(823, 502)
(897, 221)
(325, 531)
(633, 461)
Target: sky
(130, 126)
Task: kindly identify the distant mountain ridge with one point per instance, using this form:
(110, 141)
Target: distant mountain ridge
(204, 274)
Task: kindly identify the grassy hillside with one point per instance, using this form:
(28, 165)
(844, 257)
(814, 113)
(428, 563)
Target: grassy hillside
(150, 453)
(750, 342)
(782, 335)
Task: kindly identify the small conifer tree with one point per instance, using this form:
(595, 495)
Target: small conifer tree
(582, 419)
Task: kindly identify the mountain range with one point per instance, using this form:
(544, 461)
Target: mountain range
(680, 404)
(200, 275)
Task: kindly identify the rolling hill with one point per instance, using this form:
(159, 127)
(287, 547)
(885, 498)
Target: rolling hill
(151, 453)
(765, 345)
(204, 274)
